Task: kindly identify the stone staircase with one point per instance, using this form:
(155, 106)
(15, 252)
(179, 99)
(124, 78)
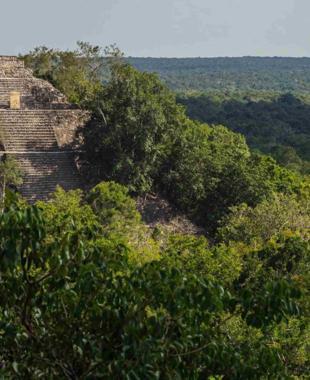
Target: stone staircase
(39, 134)
(44, 172)
(12, 84)
(27, 130)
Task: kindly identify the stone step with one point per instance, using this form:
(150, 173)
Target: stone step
(43, 172)
(30, 131)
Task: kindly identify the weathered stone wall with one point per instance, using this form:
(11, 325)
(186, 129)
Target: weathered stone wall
(65, 126)
(9, 65)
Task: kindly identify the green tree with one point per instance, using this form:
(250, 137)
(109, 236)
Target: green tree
(117, 213)
(77, 73)
(136, 127)
(279, 214)
(198, 165)
(211, 169)
(193, 254)
(10, 175)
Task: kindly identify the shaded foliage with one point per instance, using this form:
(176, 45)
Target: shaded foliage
(279, 126)
(137, 124)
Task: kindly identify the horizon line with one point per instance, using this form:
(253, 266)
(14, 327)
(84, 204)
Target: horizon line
(220, 56)
(192, 57)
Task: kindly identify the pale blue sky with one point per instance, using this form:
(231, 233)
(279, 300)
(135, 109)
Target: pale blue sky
(170, 28)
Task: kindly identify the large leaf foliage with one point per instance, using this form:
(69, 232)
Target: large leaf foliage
(73, 306)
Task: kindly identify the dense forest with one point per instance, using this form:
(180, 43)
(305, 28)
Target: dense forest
(265, 99)
(90, 291)
(279, 125)
(230, 74)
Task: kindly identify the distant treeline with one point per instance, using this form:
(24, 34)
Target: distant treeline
(229, 74)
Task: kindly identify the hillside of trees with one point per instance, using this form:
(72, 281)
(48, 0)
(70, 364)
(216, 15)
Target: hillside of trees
(230, 74)
(277, 125)
(89, 291)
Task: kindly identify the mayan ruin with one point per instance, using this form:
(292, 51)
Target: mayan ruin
(38, 127)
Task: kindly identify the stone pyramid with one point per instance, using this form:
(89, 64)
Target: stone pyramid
(38, 127)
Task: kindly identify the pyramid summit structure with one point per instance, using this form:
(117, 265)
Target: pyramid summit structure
(38, 128)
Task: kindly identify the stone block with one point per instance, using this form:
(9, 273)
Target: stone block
(15, 100)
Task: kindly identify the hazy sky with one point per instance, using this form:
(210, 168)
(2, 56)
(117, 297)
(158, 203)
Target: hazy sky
(172, 28)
